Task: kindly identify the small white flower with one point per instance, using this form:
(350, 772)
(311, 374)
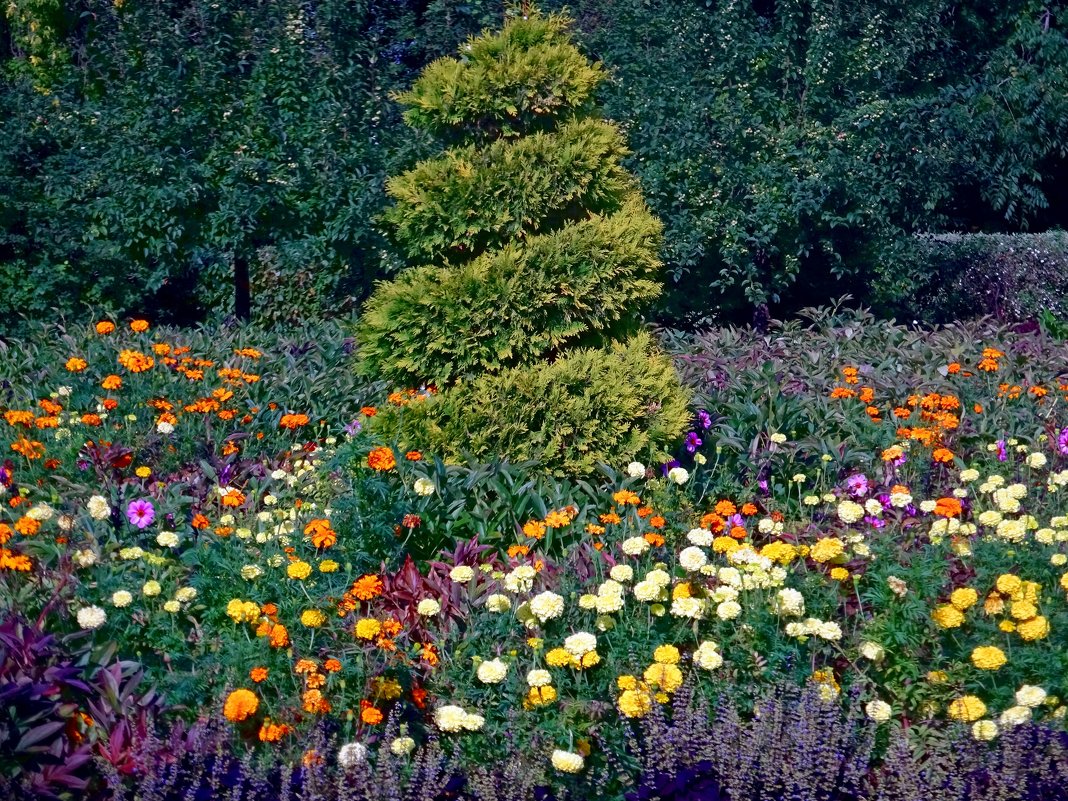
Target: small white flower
(462, 574)
(879, 711)
(91, 617)
(492, 671)
(622, 573)
(984, 730)
(546, 606)
(167, 539)
(424, 486)
(580, 643)
(428, 607)
(692, 559)
(567, 762)
(636, 470)
(351, 754)
(1031, 696)
(402, 746)
(872, 651)
(634, 546)
(680, 475)
(98, 508)
(778, 438)
(707, 656)
(163, 427)
(121, 598)
(539, 678)
(498, 603)
(85, 558)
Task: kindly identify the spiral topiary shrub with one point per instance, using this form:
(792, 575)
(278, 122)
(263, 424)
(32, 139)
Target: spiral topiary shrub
(534, 253)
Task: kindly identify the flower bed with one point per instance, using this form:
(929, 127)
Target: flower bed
(860, 554)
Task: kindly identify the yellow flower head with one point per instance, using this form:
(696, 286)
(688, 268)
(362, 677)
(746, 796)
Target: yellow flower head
(1007, 583)
(666, 677)
(947, 616)
(1036, 628)
(827, 549)
(558, 657)
(368, 628)
(967, 708)
(988, 657)
(963, 598)
(298, 570)
(312, 618)
(666, 655)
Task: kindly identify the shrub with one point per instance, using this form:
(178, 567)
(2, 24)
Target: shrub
(535, 219)
(588, 407)
(1009, 276)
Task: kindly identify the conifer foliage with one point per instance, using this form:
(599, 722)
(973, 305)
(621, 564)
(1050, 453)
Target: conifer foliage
(534, 253)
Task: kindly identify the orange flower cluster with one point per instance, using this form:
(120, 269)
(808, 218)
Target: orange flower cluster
(135, 361)
(320, 532)
(293, 421)
(15, 417)
(30, 448)
(9, 560)
(381, 458)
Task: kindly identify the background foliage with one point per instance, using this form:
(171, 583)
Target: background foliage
(152, 153)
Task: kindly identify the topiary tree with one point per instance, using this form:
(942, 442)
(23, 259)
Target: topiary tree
(535, 253)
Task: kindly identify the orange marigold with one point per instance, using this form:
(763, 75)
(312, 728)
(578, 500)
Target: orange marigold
(240, 705)
(9, 560)
(27, 526)
(371, 715)
(948, 507)
(292, 421)
(320, 532)
(381, 458)
(367, 587)
(139, 326)
(413, 456)
(258, 674)
(105, 327)
(76, 365)
(942, 455)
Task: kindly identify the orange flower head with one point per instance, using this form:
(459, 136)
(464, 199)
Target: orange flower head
(370, 715)
(367, 587)
(240, 705)
(942, 455)
(139, 326)
(76, 365)
(258, 674)
(381, 459)
(105, 327)
(320, 532)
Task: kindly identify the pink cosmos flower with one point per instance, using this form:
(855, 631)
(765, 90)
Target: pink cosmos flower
(140, 513)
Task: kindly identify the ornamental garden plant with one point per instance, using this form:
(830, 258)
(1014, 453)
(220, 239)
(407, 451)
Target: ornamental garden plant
(532, 254)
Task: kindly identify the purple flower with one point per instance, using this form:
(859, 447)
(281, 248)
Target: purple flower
(705, 420)
(353, 427)
(664, 468)
(858, 485)
(1062, 441)
(693, 442)
(874, 522)
(140, 513)
(1003, 452)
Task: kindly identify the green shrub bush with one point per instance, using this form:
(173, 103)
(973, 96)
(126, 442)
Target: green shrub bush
(540, 250)
(590, 406)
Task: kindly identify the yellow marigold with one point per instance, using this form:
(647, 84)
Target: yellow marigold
(963, 598)
(558, 657)
(539, 696)
(947, 616)
(240, 705)
(827, 549)
(1007, 626)
(667, 677)
(1023, 610)
(368, 628)
(1036, 628)
(627, 683)
(782, 552)
(967, 708)
(635, 703)
(725, 544)
(1008, 583)
(666, 655)
(988, 657)
(1064, 582)
(839, 574)
(298, 570)
(312, 618)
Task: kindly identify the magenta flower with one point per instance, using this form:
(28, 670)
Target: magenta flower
(140, 513)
